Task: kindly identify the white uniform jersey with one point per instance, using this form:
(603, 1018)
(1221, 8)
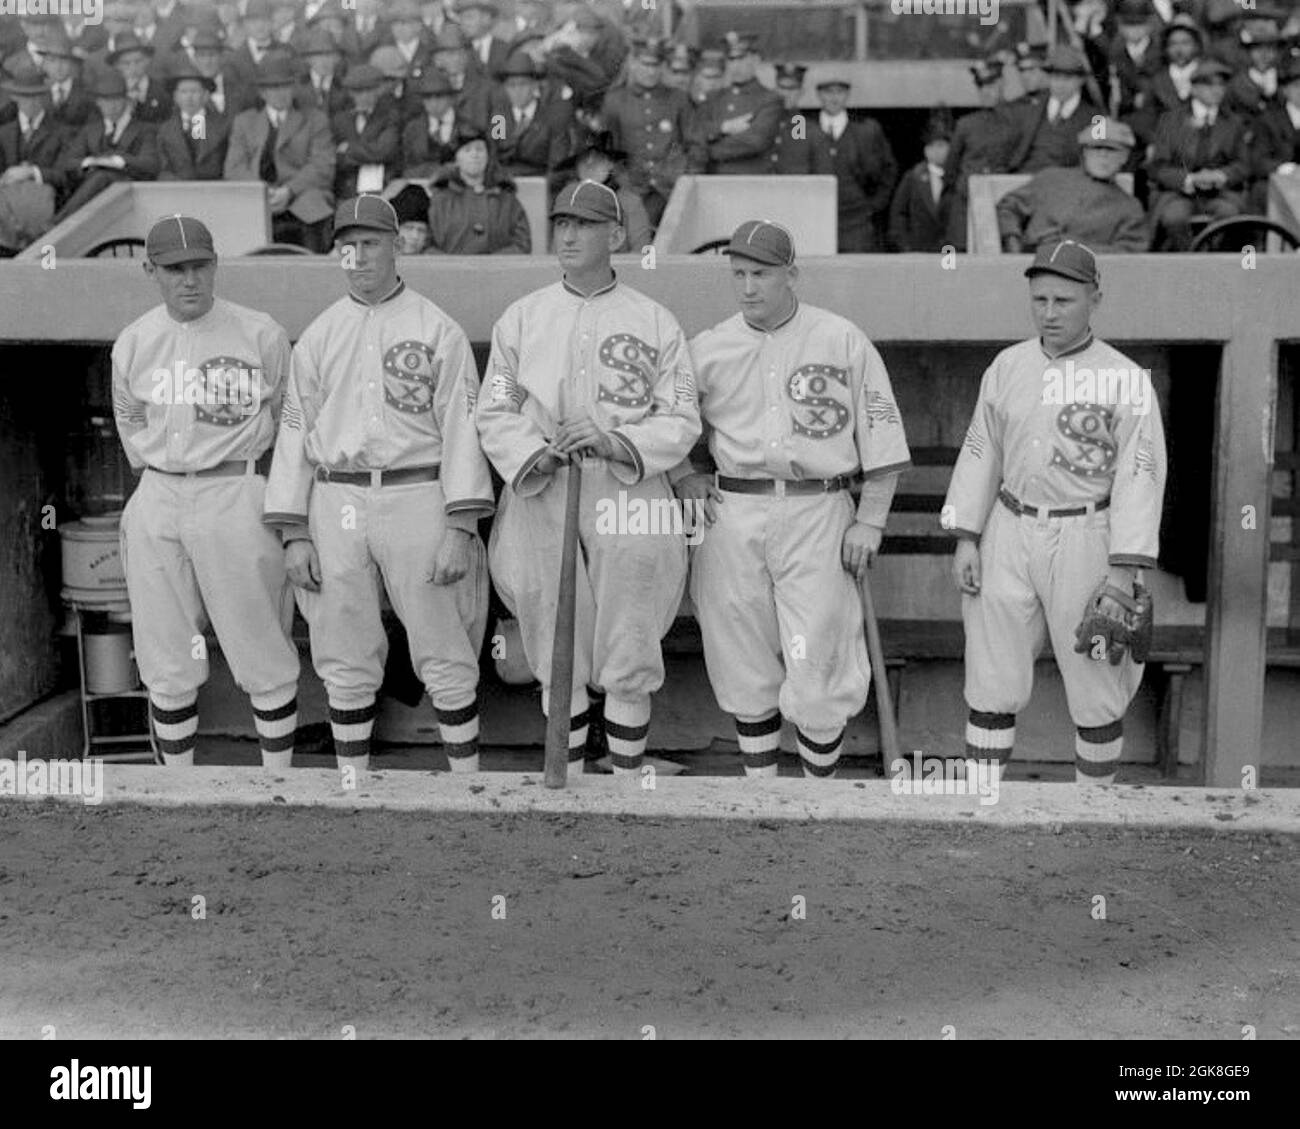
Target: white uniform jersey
(191, 395)
(808, 399)
(1063, 432)
(615, 353)
(381, 387)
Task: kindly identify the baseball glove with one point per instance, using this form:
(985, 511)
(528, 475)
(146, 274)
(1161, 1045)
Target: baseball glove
(1130, 631)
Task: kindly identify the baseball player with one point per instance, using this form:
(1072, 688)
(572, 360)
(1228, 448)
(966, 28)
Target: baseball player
(1057, 491)
(797, 404)
(197, 384)
(590, 369)
(378, 480)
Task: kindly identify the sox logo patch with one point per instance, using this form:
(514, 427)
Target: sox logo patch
(817, 415)
(634, 363)
(1089, 448)
(410, 376)
(228, 394)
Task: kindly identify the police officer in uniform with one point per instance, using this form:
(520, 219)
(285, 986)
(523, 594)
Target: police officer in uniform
(981, 143)
(794, 153)
(739, 122)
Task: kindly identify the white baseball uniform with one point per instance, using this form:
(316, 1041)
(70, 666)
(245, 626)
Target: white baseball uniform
(380, 388)
(1081, 430)
(781, 618)
(622, 357)
(202, 396)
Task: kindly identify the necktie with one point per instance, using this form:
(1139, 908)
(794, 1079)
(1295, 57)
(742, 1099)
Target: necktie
(266, 167)
(56, 94)
(361, 124)
(936, 185)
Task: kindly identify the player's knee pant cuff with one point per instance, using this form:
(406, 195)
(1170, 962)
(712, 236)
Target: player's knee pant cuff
(990, 735)
(273, 700)
(173, 702)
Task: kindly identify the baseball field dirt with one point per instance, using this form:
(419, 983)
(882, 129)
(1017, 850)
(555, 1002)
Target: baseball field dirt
(322, 923)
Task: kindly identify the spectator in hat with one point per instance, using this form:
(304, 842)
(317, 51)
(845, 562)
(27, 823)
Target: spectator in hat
(599, 159)
(1254, 86)
(365, 135)
(1134, 55)
(710, 76)
(793, 150)
(113, 146)
(586, 55)
(192, 142)
(532, 17)
(429, 141)
(532, 137)
(915, 216)
(473, 91)
(981, 144)
(410, 37)
(738, 124)
(284, 21)
(119, 20)
(1181, 45)
(473, 209)
(334, 20)
(365, 29)
(322, 87)
(863, 164)
(134, 58)
(231, 95)
(1047, 133)
(1201, 160)
(292, 152)
(258, 40)
(487, 53)
(160, 24)
(31, 159)
(651, 123)
(1276, 142)
(1029, 61)
(1082, 203)
(70, 102)
(680, 68)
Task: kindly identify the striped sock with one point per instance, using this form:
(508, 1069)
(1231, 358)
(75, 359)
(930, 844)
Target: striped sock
(276, 722)
(350, 727)
(989, 737)
(459, 729)
(627, 725)
(1097, 750)
(176, 727)
(760, 743)
(597, 740)
(819, 757)
(579, 728)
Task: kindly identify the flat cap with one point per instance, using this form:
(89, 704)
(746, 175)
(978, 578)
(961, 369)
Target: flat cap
(1108, 133)
(179, 239)
(763, 241)
(1068, 258)
(587, 200)
(373, 213)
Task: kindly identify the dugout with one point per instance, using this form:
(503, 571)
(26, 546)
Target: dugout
(1217, 336)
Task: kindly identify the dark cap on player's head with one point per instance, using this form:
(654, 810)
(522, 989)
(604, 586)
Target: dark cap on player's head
(587, 200)
(1068, 258)
(179, 239)
(764, 242)
(367, 211)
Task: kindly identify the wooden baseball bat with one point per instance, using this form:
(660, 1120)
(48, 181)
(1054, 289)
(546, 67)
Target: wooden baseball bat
(889, 748)
(561, 687)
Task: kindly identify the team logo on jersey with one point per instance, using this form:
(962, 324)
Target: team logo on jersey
(634, 364)
(230, 393)
(974, 441)
(1090, 440)
(410, 376)
(880, 409)
(817, 415)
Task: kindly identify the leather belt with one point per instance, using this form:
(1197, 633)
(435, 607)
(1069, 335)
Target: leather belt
(231, 469)
(786, 487)
(376, 478)
(1019, 508)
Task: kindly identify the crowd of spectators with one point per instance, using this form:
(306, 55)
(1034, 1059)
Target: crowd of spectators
(442, 105)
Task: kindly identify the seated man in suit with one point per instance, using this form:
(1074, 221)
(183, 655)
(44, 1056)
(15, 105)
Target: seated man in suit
(473, 91)
(291, 150)
(135, 60)
(231, 95)
(192, 142)
(429, 141)
(366, 135)
(534, 135)
(1277, 135)
(1047, 131)
(111, 147)
(1084, 204)
(323, 89)
(1201, 161)
(487, 53)
(70, 104)
(31, 160)
(1182, 44)
(1255, 85)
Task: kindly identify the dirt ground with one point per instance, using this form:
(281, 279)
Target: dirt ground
(317, 921)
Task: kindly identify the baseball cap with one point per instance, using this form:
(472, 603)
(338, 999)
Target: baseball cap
(368, 211)
(1068, 258)
(1107, 134)
(588, 200)
(179, 239)
(764, 242)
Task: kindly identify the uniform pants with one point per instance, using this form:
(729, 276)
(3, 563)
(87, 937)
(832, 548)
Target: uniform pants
(629, 581)
(389, 535)
(780, 616)
(196, 551)
(1036, 576)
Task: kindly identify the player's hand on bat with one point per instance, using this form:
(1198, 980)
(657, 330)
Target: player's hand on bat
(583, 434)
(453, 557)
(966, 566)
(303, 565)
(859, 549)
(700, 493)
